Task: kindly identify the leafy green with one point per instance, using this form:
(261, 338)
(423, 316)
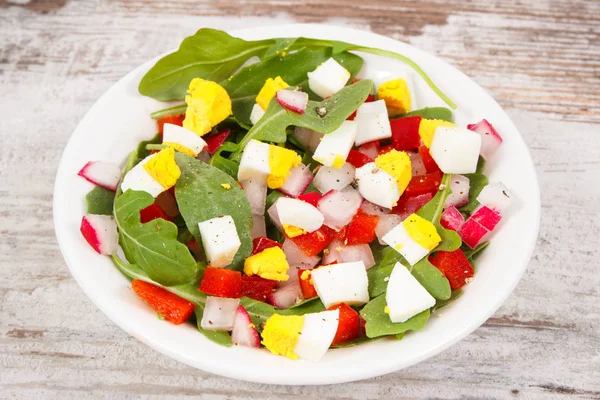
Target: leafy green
(272, 198)
(480, 165)
(355, 342)
(379, 273)
(219, 337)
(259, 312)
(477, 182)
(280, 47)
(173, 110)
(442, 303)
(209, 54)
(431, 279)
(379, 324)
(153, 246)
(230, 167)
(201, 197)
(100, 201)
(271, 127)
(472, 253)
(442, 113)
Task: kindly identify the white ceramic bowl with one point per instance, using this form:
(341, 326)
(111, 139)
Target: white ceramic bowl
(120, 119)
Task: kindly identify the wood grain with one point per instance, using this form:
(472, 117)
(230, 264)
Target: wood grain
(540, 60)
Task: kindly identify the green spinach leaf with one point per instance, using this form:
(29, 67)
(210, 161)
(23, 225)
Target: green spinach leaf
(442, 303)
(379, 324)
(472, 253)
(100, 201)
(201, 197)
(431, 279)
(280, 47)
(219, 337)
(477, 182)
(442, 113)
(259, 312)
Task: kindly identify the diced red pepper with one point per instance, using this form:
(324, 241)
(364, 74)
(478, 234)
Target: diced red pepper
(214, 141)
(311, 198)
(358, 159)
(455, 266)
(370, 98)
(348, 326)
(385, 149)
(428, 161)
(405, 133)
(363, 325)
(361, 229)
(172, 307)
(153, 212)
(335, 235)
(221, 282)
(308, 289)
(176, 119)
(257, 288)
(421, 184)
(262, 243)
(313, 243)
(411, 204)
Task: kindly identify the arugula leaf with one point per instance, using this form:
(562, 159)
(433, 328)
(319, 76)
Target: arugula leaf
(442, 113)
(100, 201)
(431, 279)
(153, 246)
(472, 253)
(379, 273)
(219, 337)
(379, 324)
(271, 127)
(443, 303)
(209, 54)
(280, 46)
(477, 182)
(259, 312)
(201, 197)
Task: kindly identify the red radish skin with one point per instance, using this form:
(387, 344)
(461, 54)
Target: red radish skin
(460, 186)
(103, 174)
(452, 219)
(244, 333)
(490, 139)
(311, 198)
(298, 181)
(472, 233)
(486, 217)
(292, 100)
(100, 231)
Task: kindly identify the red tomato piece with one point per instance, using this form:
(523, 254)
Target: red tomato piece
(153, 212)
(311, 198)
(313, 243)
(361, 229)
(421, 184)
(411, 204)
(308, 289)
(221, 282)
(257, 288)
(172, 307)
(262, 243)
(455, 266)
(405, 133)
(175, 119)
(348, 325)
(214, 141)
(370, 98)
(428, 161)
(358, 159)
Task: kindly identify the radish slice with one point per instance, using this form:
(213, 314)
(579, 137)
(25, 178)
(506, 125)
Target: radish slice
(244, 333)
(331, 254)
(416, 163)
(385, 224)
(460, 185)
(219, 313)
(256, 192)
(452, 219)
(100, 231)
(274, 216)
(330, 178)
(338, 207)
(297, 182)
(490, 139)
(259, 227)
(486, 217)
(103, 174)
(285, 297)
(292, 100)
(296, 257)
(472, 233)
(370, 149)
(374, 209)
(496, 196)
(307, 138)
(337, 252)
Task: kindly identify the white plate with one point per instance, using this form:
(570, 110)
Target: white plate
(120, 119)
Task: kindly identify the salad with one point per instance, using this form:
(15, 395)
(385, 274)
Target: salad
(287, 204)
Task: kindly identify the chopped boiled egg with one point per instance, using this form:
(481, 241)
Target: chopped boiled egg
(270, 264)
(427, 128)
(220, 240)
(207, 105)
(256, 114)
(299, 214)
(342, 283)
(154, 174)
(396, 95)
(182, 140)
(301, 336)
(414, 238)
(328, 78)
(377, 186)
(281, 162)
(269, 90)
(397, 164)
(255, 161)
(373, 122)
(455, 150)
(405, 297)
(334, 147)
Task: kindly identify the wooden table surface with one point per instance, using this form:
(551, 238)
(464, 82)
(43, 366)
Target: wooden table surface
(539, 59)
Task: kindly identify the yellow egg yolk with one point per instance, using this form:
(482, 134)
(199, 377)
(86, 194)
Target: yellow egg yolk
(427, 129)
(207, 105)
(269, 264)
(163, 168)
(180, 148)
(268, 91)
(397, 164)
(281, 161)
(396, 96)
(281, 332)
(422, 231)
(293, 231)
(338, 161)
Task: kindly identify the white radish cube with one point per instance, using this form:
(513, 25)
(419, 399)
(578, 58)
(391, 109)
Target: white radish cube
(317, 333)
(374, 209)
(328, 78)
(357, 252)
(255, 161)
(377, 186)
(286, 296)
(490, 139)
(385, 224)
(307, 138)
(219, 313)
(399, 239)
(298, 181)
(338, 207)
(220, 240)
(373, 122)
(183, 137)
(259, 226)
(496, 196)
(139, 179)
(103, 174)
(416, 163)
(455, 150)
(330, 178)
(100, 231)
(299, 213)
(292, 100)
(342, 283)
(256, 192)
(460, 186)
(296, 257)
(334, 147)
(256, 113)
(405, 297)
